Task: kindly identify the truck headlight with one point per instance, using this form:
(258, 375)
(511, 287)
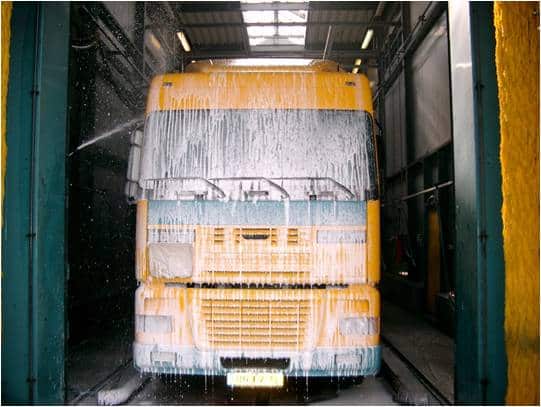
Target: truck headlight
(169, 260)
(159, 324)
(341, 236)
(358, 326)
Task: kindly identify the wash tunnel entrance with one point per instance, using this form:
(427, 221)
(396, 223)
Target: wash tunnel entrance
(352, 214)
(115, 51)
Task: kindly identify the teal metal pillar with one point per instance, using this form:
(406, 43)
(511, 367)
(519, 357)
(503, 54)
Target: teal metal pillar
(480, 362)
(33, 230)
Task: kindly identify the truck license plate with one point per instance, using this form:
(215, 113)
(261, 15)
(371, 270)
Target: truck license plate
(255, 379)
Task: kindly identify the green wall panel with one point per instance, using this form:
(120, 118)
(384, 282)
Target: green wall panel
(16, 207)
(33, 234)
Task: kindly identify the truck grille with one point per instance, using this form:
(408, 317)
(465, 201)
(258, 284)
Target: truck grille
(251, 324)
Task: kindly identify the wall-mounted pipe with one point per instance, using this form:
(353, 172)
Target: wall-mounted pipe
(427, 190)
(32, 202)
(422, 192)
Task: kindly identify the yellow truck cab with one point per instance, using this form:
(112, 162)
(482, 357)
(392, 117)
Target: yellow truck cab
(258, 241)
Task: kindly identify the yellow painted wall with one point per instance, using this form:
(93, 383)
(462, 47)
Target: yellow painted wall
(517, 60)
(6, 31)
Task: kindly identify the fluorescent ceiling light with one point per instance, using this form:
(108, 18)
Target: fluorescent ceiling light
(379, 9)
(358, 62)
(367, 38)
(271, 62)
(355, 70)
(154, 41)
(184, 41)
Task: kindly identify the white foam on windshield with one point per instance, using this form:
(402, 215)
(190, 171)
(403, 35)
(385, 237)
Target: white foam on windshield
(255, 143)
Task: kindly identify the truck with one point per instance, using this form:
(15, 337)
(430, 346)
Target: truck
(258, 223)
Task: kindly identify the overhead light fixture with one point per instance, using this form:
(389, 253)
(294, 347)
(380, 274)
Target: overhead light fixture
(355, 70)
(154, 41)
(184, 41)
(271, 62)
(358, 62)
(367, 38)
(379, 9)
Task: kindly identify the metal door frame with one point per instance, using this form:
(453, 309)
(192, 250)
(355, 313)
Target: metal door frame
(480, 358)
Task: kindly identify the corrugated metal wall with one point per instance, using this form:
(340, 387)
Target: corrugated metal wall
(417, 144)
(430, 109)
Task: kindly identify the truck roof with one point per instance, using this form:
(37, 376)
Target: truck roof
(224, 85)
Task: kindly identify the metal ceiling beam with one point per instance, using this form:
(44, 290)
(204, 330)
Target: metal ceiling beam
(206, 6)
(343, 5)
(245, 40)
(114, 32)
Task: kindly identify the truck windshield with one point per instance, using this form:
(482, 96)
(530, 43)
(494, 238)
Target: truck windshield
(220, 146)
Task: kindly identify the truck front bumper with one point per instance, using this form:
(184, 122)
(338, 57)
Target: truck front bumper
(152, 358)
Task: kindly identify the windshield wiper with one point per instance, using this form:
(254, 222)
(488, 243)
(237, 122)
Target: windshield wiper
(274, 185)
(216, 188)
(340, 186)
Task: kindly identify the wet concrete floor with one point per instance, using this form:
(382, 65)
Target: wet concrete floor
(104, 362)
(213, 390)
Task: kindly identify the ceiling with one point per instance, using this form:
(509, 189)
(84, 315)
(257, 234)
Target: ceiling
(292, 29)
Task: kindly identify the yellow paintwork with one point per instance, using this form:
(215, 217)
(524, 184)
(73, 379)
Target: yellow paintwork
(6, 34)
(299, 319)
(373, 241)
(141, 255)
(517, 63)
(260, 90)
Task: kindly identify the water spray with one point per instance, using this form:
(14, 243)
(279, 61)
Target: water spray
(128, 126)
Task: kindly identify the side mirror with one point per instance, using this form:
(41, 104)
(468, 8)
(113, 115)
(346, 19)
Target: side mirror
(134, 167)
